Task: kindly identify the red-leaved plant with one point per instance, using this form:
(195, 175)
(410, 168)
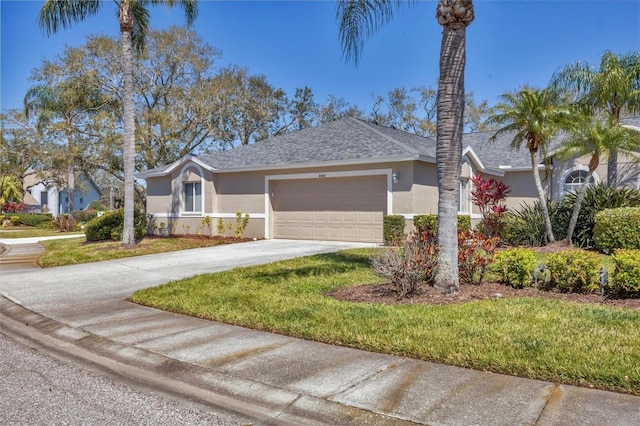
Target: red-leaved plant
(489, 196)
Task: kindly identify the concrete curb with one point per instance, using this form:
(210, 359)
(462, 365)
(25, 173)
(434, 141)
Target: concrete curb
(264, 403)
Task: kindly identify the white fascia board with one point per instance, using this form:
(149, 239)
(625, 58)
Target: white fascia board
(471, 155)
(320, 164)
(175, 165)
(520, 169)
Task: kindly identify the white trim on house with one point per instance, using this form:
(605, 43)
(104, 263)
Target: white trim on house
(410, 216)
(203, 215)
(181, 197)
(324, 175)
(566, 173)
(471, 155)
(174, 166)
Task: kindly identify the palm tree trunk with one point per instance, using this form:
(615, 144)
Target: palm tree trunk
(577, 205)
(541, 197)
(612, 168)
(126, 27)
(450, 108)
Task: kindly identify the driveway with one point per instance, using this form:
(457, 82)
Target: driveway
(57, 292)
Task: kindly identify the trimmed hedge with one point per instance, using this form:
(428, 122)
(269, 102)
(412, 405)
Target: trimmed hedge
(393, 229)
(617, 229)
(109, 226)
(574, 271)
(516, 266)
(625, 278)
(40, 220)
(429, 222)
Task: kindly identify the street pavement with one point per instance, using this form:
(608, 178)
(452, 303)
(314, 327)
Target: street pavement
(80, 312)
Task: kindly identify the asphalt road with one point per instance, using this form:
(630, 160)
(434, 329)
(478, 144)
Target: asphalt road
(38, 389)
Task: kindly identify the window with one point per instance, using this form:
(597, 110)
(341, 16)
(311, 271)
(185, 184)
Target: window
(44, 198)
(192, 197)
(574, 181)
(464, 203)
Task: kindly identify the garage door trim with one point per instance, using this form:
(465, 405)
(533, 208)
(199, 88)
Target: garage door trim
(322, 175)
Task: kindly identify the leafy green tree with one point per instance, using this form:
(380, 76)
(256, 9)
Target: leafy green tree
(62, 108)
(359, 19)
(22, 150)
(612, 88)
(337, 108)
(594, 137)
(133, 18)
(531, 117)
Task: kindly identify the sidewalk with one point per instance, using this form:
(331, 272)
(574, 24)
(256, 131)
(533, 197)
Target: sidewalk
(79, 311)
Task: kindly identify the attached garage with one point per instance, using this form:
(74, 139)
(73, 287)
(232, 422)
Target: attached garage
(342, 209)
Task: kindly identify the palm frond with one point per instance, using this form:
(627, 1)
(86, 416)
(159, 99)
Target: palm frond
(361, 19)
(56, 14)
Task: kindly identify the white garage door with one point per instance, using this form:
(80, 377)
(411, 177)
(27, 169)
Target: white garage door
(342, 209)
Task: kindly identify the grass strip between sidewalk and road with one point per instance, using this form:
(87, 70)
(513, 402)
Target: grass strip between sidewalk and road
(558, 341)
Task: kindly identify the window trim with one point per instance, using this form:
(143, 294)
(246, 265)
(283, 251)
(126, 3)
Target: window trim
(182, 193)
(578, 168)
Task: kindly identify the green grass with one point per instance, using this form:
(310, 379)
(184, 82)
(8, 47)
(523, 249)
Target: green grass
(587, 345)
(78, 250)
(28, 231)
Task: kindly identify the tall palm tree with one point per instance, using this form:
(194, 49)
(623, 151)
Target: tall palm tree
(133, 18)
(594, 137)
(612, 88)
(360, 19)
(531, 117)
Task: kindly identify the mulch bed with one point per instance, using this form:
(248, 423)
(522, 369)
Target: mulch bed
(385, 293)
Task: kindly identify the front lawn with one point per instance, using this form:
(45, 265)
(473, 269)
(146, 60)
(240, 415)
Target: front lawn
(553, 340)
(29, 231)
(78, 250)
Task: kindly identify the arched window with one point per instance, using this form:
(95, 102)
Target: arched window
(573, 180)
(192, 181)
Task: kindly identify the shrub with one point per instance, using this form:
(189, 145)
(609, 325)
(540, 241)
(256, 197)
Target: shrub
(64, 223)
(574, 271)
(109, 226)
(429, 223)
(475, 253)
(84, 216)
(393, 229)
(625, 279)
(617, 229)
(408, 265)
(489, 195)
(241, 223)
(597, 198)
(516, 266)
(13, 207)
(525, 226)
(15, 220)
(40, 220)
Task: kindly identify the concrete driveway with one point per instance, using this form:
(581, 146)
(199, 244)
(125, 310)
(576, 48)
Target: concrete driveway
(51, 291)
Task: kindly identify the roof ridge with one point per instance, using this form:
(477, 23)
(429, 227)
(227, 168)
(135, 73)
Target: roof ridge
(389, 138)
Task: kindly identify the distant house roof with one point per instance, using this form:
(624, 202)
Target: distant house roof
(353, 141)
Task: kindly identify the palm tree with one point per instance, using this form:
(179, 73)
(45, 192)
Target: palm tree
(612, 88)
(133, 17)
(60, 107)
(532, 117)
(593, 136)
(10, 190)
(360, 19)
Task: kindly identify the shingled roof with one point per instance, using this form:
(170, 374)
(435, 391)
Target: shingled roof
(353, 141)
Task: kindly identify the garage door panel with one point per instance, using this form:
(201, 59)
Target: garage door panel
(348, 209)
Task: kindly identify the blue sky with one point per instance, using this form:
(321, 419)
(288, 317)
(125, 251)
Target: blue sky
(295, 43)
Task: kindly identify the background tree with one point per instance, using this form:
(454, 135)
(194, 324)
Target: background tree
(359, 19)
(614, 88)
(594, 137)
(62, 104)
(22, 150)
(133, 17)
(337, 108)
(531, 117)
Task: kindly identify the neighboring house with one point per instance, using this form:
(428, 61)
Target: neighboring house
(47, 197)
(332, 182)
